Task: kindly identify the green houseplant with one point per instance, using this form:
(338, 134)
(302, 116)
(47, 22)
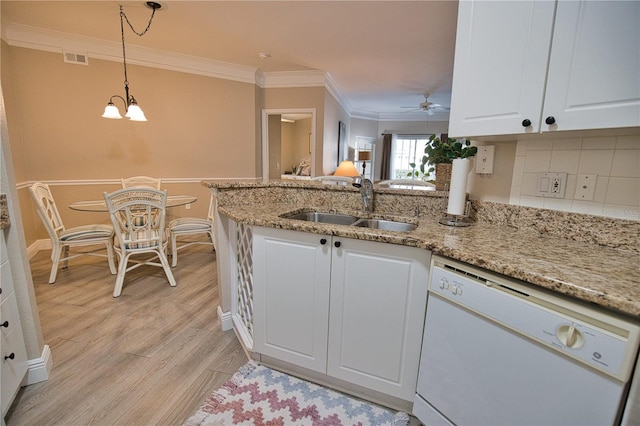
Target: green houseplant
(439, 155)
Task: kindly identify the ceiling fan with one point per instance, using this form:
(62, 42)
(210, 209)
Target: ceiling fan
(428, 107)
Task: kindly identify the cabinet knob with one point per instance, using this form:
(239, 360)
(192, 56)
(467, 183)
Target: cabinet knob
(5, 324)
(550, 120)
(337, 244)
(10, 356)
(526, 122)
(323, 241)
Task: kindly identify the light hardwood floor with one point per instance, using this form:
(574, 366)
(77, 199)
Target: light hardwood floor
(149, 357)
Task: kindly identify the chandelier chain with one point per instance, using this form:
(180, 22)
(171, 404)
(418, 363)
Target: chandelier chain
(122, 14)
(124, 54)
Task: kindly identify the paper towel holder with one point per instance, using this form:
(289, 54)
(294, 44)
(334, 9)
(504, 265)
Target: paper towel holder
(457, 220)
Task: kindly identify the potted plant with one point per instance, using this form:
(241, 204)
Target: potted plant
(440, 153)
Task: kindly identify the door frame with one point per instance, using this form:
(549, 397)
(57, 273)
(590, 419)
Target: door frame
(265, 136)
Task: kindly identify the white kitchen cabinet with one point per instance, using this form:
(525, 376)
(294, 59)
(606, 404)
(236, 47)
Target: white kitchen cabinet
(349, 308)
(573, 63)
(12, 347)
(378, 302)
(291, 272)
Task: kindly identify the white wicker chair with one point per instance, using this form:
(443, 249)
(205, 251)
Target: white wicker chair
(63, 238)
(138, 217)
(405, 182)
(141, 182)
(334, 180)
(185, 226)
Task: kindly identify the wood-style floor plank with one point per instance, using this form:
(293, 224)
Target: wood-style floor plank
(150, 356)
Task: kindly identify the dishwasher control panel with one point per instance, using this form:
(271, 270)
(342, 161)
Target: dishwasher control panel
(511, 307)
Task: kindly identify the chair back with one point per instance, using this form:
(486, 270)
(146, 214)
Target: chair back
(138, 217)
(141, 182)
(47, 209)
(211, 216)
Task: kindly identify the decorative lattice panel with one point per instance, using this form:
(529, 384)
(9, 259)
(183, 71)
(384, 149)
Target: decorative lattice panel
(244, 262)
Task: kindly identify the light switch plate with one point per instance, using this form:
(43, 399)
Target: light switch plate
(551, 185)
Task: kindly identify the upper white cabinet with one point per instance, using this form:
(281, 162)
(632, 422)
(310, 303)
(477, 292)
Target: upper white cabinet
(538, 66)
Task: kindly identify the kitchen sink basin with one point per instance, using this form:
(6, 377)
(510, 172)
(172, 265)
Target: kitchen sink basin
(333, 218)
(387, 225)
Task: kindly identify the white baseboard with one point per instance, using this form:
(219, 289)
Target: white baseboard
(225, 319)
(39, 369)
(38, 245)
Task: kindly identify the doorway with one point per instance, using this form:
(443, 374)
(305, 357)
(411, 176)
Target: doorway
(288, 137)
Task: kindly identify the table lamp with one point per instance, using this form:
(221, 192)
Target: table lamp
(364, 156)
(346, 168)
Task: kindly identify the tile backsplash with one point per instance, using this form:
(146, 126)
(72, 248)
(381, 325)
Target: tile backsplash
(614, 159)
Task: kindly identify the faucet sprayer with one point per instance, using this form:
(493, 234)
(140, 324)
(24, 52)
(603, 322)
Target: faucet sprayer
(366, 192)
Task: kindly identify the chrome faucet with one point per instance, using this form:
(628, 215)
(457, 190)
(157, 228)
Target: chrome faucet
(366, 191)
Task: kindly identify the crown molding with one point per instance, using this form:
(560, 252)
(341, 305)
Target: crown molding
(58, 42)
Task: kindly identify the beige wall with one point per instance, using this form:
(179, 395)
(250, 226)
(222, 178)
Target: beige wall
(301, 98)
(333, 114)
(199, 127)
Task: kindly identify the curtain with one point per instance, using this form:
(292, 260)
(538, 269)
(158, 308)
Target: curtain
(385, 169)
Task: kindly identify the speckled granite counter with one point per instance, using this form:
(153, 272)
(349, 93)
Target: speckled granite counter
(4, 212)
(583, 267)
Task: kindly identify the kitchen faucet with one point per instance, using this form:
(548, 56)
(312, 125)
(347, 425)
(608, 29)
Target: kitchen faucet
(366, 191)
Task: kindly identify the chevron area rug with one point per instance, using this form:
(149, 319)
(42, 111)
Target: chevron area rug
(257, 395)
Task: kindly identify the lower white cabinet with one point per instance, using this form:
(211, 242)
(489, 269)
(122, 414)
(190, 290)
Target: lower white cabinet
(13, 351)
(352, 309)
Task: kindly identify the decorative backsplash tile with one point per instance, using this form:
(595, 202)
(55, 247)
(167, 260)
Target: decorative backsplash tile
(614, 159)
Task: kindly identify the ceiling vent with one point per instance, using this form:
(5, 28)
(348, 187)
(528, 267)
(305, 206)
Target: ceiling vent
(76, 58)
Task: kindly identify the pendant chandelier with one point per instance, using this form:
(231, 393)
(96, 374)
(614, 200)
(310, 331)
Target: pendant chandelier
(133, 111)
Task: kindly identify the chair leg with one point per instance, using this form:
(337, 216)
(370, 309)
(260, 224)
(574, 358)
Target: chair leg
(65, 263)
(55, 258)
(167, 269)
(122, 270)
(110, 256)
(174, 250)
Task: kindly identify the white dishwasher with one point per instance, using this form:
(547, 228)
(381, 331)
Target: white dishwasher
(499, 352)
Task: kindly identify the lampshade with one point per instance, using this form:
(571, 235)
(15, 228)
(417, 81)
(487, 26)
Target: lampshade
(111, 111)
(364, 155)
(346, 168)
(134, 113)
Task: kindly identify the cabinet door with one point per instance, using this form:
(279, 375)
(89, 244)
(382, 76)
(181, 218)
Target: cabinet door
(291, 296)
(13, 352)
(594, 68)
(378, 302)
(500, 67)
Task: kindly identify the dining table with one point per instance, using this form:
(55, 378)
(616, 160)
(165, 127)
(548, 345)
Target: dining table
(101, 205)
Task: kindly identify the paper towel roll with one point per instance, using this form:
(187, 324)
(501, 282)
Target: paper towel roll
(458, 186)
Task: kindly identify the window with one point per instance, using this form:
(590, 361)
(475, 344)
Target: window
(405, 150)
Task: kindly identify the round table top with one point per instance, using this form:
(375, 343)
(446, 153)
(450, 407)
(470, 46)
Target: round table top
(101, 205)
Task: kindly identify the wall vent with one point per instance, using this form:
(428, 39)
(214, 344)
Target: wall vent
(76, 58)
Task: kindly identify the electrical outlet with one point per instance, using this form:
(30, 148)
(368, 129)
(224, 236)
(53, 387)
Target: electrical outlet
(585, 187)
(551, 185)
(187, 206)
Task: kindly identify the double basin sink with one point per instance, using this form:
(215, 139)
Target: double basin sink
(347, 219)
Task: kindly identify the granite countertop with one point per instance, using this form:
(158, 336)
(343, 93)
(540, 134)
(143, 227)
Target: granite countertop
(605, 276)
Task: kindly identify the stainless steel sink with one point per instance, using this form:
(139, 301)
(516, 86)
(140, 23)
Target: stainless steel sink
(333, 218)
(387, 225)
